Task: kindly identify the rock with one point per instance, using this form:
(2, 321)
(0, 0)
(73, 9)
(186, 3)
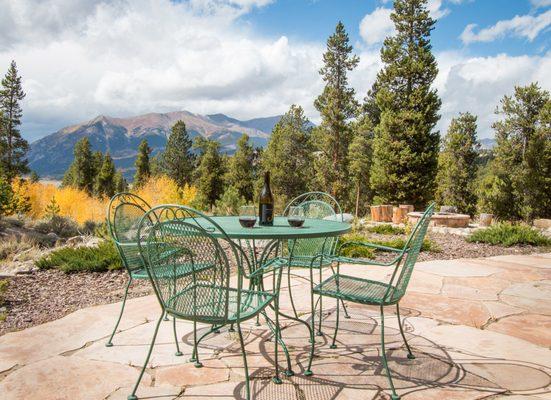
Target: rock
(542, 223)
(72, 241)
(53, 236)
(448, 209)
(485, 219)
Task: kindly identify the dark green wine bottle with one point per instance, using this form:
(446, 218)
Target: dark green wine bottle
(266, 203)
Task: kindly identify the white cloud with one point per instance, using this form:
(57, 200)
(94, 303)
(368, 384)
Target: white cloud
(436, 10)
(376, 26)
(526, 26)
(541, 3)
(477, 84)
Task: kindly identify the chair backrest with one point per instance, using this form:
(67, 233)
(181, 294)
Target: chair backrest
(124, 214)
(186, 263)
(317, 205)
(402, 274)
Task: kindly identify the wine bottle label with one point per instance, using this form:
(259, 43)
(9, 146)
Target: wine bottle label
(266, 214)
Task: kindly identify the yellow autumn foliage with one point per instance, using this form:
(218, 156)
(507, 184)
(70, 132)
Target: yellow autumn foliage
(79, 206)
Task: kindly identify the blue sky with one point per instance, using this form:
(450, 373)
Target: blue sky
(251, 58)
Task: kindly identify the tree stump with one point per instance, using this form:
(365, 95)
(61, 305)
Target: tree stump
(399, 215)
(375, 213)
(485, 219)
(407, 207)
(386, 213)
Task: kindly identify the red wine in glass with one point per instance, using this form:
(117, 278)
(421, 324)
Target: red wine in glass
(247, 222)
(295, 222)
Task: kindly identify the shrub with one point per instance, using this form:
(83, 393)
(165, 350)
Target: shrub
(356, 251)
(386, 229)
(83, 259)
(13, 245)
(62, 226)
(508, 234)
(3, 290)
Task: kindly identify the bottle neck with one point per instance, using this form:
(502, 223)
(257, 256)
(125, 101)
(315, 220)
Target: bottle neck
(267, 179)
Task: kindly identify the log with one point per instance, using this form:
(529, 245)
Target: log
(376, 213)
(386, 213)
(399, 215)
(407, 207)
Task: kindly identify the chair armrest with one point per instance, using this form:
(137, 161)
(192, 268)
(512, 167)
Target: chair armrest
(371, 245)
(270, 266)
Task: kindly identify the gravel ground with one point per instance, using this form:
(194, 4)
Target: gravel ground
(48, 295)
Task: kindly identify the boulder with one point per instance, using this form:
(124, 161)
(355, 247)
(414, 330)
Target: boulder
(542, 223)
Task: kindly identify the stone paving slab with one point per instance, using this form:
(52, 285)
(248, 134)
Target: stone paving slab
(479, 329)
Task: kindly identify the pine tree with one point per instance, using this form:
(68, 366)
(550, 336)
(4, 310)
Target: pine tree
(178, 160)
(105, 183)
(81, 173)
(457, 165)
(209, 175)
(120, 183)
(241, 174)
(405, 147)
(143, 171)
(13, 148)
(288, 156)
(518, 184)
(34, 178)
(6, 197)
(336, 105)
(52, 209)
(359, 156)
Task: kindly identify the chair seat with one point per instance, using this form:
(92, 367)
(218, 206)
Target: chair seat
(357, 290)
(171, 271)
(306, 262)
(209, 304)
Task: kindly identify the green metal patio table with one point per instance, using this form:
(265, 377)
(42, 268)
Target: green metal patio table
(278, 234)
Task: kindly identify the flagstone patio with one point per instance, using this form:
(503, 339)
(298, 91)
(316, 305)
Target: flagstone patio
(480, 328)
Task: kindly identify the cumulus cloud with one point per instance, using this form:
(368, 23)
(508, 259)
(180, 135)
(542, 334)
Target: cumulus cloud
(376, 26)
(540, 3)
(526, 26)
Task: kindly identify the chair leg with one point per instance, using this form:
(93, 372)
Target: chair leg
(345, 310)
(133, 395)
(410, 354)
(308, 371)
(247, 383)
(276, 378)
(178, 352)
(394, 396)
(319, 333)
(195, 354)
(291, 291)
(333, 345)
(166, 317)
(109, 342)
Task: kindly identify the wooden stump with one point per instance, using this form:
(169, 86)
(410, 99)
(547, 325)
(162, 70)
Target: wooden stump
(408, 207)
(386, 213)
(399, 215)
(375, 213)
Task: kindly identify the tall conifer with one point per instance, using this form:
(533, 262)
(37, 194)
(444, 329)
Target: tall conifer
(178, 160)
(143, 170)
(336, 105)
(402, 102)
(240, 173)
(13, 148)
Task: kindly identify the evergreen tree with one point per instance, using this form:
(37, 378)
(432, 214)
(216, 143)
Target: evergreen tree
(288, 156)
(81, 173)
(241, 174)
(143, 171)
(52, 209)
(336, 105)
(105, 183)
(13, 148)
(405, 147)
(120, 183)
(209, 175)
(34, 178)
(457, 165)
(518, 183)
(359, 156)
(6, 197)
(178, 160)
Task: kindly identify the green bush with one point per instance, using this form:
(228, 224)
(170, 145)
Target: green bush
(3, 290)
(83, 259)
(508, 234)
(386, 229)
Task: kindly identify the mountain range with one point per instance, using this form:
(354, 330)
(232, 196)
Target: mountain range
(51, 156)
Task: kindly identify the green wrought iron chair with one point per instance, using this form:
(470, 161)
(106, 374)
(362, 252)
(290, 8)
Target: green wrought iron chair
(318, 205)
(173, 237)
(369, 292)
(124, 214)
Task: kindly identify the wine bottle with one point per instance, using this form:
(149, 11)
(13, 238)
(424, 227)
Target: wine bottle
(266, 203)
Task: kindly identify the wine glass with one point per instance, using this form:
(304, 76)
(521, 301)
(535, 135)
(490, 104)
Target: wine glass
(247, 216)
(295, 217)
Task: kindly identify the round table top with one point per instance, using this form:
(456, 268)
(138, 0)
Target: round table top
(312, 228)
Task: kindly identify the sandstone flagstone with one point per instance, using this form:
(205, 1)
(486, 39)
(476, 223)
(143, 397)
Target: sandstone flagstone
(534, 328)
(213, 371)
(67, 378)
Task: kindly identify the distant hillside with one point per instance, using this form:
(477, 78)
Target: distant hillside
(487, 144)
(52, 155)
